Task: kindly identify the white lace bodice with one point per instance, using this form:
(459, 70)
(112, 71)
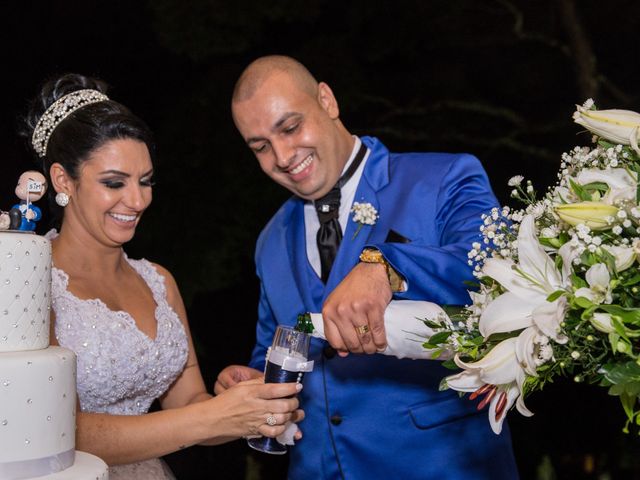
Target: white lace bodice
(120, 369)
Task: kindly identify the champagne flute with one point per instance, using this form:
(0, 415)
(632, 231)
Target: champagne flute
(286, 362)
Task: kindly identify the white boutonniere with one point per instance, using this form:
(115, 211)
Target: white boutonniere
(364, 214)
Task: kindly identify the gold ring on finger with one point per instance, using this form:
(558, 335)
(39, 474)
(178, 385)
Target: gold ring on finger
(271, 420)
(362, 329)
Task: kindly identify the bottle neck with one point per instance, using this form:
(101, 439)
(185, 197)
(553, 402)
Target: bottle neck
(304, 323)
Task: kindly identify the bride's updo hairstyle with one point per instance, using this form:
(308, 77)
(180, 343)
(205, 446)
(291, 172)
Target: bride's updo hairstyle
(72, 117)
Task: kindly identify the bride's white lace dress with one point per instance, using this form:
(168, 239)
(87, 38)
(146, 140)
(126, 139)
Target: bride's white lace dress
(121, 370)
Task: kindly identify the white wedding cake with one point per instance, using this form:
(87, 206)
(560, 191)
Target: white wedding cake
(37, 381)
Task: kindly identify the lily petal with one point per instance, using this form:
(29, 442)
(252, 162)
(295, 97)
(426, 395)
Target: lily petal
(586, 293)
(525, 350)
(512, 393)
(522, 408)
(465, 381)
(533, 259)
(598, 276)
(497, 367)
(548, 317)
(602, 322)
(506, 313)
(624, 256)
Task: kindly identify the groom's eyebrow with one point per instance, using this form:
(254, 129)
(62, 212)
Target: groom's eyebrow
(276, 126)
(284, 118)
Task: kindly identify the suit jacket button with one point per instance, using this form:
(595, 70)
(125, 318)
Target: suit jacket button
(336, 420)
(329, 352)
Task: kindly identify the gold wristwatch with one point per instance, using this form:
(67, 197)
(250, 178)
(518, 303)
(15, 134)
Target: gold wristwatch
(373, 255)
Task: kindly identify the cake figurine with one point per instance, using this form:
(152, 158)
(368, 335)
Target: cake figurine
(31, 187)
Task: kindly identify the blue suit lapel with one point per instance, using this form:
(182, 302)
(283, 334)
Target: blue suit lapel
(374, 178)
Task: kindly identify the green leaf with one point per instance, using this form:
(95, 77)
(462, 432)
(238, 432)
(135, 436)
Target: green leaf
(582, 302)
(622, 373)
(436, 354)
(631, 281)
(609, 260)
(596, 186)
(578, 282)
(627, 315)
(550, 242)
(555, 295)
(588, 313)
(498, 337)
(588, 259)
(580, 192)
(453, 310)
(450, 364)
(438, 338)
(431, 323)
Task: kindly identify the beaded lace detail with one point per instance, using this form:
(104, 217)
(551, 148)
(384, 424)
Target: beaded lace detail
(120, 369)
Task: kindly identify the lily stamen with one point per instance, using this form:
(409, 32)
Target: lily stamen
(502, 402)
(488, 397)
(483, 389)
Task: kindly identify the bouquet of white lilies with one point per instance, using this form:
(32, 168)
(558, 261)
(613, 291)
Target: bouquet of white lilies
(559, 281)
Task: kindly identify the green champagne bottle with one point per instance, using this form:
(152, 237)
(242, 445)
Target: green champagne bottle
(304, 323)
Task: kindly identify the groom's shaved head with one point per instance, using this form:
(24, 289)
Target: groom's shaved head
(263, 68)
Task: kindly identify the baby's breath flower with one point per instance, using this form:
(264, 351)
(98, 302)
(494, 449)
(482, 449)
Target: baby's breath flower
(515, 181)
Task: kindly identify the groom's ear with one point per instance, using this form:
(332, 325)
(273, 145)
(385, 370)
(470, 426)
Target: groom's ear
(60, 180)
(328, 101)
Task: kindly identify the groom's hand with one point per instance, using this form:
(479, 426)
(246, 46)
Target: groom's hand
(353, 313)
(234, 374)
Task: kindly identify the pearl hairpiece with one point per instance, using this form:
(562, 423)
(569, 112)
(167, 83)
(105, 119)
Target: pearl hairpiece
(58, 111)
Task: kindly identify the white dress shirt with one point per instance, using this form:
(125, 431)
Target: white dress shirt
(347, 196)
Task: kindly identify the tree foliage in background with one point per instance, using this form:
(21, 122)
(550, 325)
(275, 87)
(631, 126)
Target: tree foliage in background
(497, 78)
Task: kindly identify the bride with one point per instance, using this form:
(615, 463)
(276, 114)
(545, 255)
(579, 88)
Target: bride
(124, 318)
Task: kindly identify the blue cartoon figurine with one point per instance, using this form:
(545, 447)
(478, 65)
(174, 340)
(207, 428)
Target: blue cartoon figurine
(31, 187)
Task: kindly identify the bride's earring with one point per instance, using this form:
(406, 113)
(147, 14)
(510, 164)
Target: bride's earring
(62, 199)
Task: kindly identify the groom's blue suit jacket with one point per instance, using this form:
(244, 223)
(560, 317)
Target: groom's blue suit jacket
(372, 416)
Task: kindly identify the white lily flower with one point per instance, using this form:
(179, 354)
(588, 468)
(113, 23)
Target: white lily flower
(624, 256)
(499, 376)
(528, 285)
(622, 183)
(599, 290)
(618, 126)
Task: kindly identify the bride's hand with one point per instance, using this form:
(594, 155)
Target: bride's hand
(257, 408)
(234, 374)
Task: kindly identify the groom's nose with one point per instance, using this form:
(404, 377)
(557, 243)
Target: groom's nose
(284, 153)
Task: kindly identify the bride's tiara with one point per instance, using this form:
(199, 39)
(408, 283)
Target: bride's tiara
(58, 111)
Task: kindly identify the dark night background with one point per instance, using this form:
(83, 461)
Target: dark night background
(497, 78)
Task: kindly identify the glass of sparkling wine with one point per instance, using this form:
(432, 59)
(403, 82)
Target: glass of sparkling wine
(288, 351)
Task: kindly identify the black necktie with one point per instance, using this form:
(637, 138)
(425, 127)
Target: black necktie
(328, 207)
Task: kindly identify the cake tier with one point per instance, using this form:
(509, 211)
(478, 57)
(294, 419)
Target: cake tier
(25, 291)
(86, 467)
(38, 402)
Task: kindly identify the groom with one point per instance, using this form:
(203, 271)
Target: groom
(367, 416)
